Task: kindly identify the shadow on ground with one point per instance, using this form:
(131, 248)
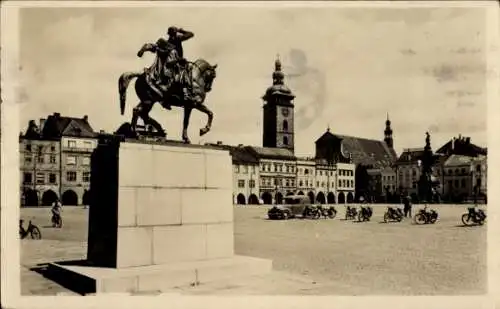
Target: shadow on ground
(66, 279)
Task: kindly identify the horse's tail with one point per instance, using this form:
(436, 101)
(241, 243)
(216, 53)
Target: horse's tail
(123, 83)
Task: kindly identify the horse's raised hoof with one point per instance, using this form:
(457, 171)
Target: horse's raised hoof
(203, 131)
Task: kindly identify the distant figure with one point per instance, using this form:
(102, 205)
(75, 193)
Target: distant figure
(407, 206)
(56, 208)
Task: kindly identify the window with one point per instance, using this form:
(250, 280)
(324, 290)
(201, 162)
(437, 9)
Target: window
(86, 160)
(52, 148)
(40, 159)
(300, 183)
(456, 183)
(478, 168)
(321, 173)
(285, 140)
(27, 178)
(40, 178)
(52, 159)
(414, 185)
(251, 183)
(71, 176)
(71, 144)
(463, 183)
(306, 171)
(252, 169)
(285, 125)
(87, 144)
(52, 178)
(317, 184)
(241, 183)
(333, 184)
(463, 171)
(340, 183)
(86, 177)
(287, 183)
(352, 184)
(450, 184)
(344, 183)
(28, 158)
(71, 160)
(28, 147)
(236, 168)
(245, 169)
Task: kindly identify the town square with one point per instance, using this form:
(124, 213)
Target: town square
(174, 166)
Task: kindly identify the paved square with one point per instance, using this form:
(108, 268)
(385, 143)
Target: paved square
(315, 257)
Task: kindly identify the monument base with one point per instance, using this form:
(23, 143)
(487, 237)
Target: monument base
(155, 278)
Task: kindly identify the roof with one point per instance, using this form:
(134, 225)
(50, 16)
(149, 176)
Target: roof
(462, 146)
(272, 153)
(458, 160)
(239, 154)
(368, 151)
(410, 156)
(57, 126)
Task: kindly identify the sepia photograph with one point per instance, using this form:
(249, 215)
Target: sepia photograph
(248, 149)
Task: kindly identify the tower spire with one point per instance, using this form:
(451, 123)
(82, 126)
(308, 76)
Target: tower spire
(388, 133)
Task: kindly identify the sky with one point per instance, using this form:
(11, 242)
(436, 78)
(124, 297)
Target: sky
(348, 67)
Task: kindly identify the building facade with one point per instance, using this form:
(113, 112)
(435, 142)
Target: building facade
(57, 154)
(40, 169)
(306, 178)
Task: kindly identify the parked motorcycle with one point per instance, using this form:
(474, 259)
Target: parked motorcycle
(327, 212)
(473, 217)
(56, 221)
(425, 216)
(311, 212)
(32, 230)
(351, 213)
(393, 214)
(365, 213)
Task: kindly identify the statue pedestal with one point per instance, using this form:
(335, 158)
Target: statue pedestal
(161, 216)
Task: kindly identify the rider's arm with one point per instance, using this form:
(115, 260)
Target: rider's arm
(184, 35)
(150, 47)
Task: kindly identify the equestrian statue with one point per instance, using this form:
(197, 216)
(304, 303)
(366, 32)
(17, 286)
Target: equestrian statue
(171, 81)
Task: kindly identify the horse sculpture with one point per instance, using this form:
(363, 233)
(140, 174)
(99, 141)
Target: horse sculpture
(201, 75)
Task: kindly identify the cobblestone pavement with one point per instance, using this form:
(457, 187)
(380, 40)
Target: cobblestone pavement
(310, 257)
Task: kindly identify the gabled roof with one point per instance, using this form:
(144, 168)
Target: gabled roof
(272, 153)
(57, 126)
(368, 151)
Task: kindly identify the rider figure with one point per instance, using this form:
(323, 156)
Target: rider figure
(175, 37)
(56, 208)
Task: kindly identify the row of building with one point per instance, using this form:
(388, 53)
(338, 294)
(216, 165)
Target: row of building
(55, 162)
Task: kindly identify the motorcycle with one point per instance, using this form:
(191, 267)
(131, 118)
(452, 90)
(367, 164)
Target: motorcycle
(425, 216)
(32, 230)
(56, 221)
(393, 214)
(311, 212)
(329, 212)
(474, 217)
(351, 213)
(365, 213)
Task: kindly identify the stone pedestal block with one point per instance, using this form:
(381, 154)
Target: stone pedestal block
(164, 210)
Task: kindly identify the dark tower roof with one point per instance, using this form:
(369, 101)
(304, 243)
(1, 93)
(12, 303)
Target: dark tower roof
(278, 88)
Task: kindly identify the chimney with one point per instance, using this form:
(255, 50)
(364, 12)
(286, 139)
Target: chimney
(42, 123)
(219, 142)
(101, 132)
(467, 140)
(453, 144)
(240, 145)
(57, 115)
(86, 118)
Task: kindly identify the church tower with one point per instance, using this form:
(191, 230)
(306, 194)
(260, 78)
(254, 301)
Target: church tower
(278, 113)
(388, 133)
